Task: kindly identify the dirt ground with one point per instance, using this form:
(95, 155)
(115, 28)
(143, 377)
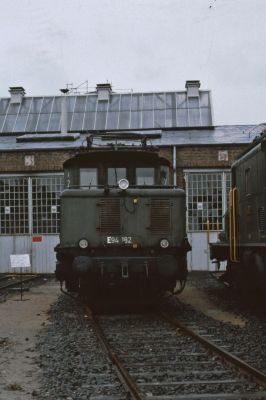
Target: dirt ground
(20, 322)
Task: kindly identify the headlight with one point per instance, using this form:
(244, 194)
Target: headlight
(123, 184)
(83, 243)
(164, 243)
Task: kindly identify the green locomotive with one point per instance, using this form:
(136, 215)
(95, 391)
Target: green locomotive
(123, 226)
(243, 244)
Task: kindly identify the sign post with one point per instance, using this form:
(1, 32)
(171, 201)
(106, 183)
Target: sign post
(20, 261)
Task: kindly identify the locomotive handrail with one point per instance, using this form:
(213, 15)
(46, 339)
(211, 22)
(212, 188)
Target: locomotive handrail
(232, 224)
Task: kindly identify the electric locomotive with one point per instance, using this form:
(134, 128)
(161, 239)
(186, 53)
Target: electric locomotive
(243, 244)
(123, 226)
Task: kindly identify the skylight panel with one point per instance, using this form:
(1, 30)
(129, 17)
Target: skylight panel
(77, 121)
(31, 123)
(125, 102)
(80, 104)
(9, 123)
(114, 104)
(136, 103)
(91, 103)
(54, 122)
(20, 123)
(147, 102)
(43, 123)
(4, 103)
(159, 101)
(47, 104)
(25, 105)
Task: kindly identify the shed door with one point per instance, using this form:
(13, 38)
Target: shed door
(207, 200)
(29, 220)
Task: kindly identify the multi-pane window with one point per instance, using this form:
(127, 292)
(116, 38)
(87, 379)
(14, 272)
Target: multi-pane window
(207, 199)
(30, 205)
(14, 206)
(45, 204)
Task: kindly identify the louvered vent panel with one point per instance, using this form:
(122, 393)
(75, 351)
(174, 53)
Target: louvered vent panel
(110, 216)
(261, 215)
(160, 216)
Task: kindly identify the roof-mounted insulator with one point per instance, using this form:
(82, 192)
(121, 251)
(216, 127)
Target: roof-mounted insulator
(17, 93)
(192, 88)
(104, 90)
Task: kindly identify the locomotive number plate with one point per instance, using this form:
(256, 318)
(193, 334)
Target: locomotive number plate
(119, 240)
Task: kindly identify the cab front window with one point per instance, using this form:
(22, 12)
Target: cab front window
(144, 176)
(164, 175)
(115, 174)
(88, 178)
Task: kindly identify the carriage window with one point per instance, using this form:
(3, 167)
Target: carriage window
(164, 175)
(144, 176)
(88, 178)
(115, 174)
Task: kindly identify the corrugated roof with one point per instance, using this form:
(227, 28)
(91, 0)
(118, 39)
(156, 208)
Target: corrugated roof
(120, 111)
(220, 135)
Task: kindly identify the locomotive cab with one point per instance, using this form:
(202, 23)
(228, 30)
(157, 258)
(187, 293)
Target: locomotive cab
(122, 223)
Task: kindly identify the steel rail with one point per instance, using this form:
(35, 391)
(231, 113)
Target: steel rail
(123, 375)
(253, 373)
(17, 281)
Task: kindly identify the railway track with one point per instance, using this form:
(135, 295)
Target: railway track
(14, 280)
(157, 358)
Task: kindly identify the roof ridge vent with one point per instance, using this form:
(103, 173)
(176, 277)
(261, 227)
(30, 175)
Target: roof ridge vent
(17, 93)
(192, 88)
(104, 90)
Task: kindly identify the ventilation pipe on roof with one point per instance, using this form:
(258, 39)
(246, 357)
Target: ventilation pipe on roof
(104, 90)
(192, 88)
(64, 110)
(17, 93)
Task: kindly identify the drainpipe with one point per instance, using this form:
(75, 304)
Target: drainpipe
(64, 111)
(174, 164)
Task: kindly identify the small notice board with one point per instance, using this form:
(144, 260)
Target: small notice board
(20, 260)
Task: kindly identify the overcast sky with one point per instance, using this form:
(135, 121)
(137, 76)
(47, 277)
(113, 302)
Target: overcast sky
(147, 45)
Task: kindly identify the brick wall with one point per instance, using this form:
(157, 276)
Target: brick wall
(43, 161)
(193, 157)
(186, 157)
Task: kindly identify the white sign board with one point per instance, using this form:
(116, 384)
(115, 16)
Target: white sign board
(20, 260)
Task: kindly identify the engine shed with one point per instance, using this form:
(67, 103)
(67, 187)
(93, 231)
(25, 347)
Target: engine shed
(39, 133)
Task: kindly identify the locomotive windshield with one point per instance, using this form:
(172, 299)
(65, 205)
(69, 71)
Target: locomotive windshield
(145, 176)
(88, 178)
(101, 169)
(93, 178)
(115, 174)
